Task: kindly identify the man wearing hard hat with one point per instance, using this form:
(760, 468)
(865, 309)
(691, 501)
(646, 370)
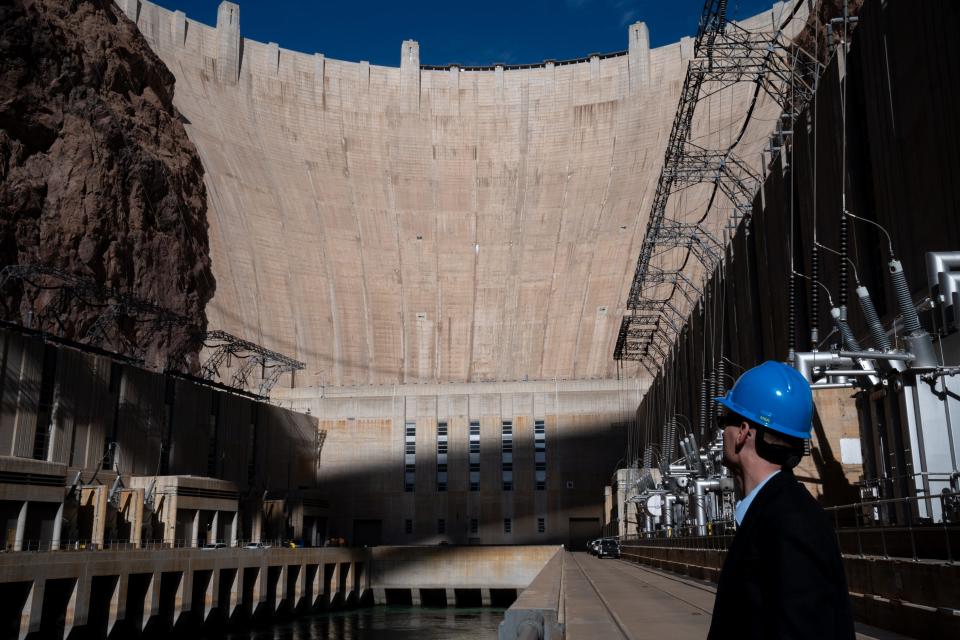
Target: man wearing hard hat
(783, 576)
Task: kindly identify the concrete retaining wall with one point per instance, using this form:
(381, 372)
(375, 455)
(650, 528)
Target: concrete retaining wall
(125, 592)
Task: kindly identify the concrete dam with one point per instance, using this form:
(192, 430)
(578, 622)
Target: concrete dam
(329, 335)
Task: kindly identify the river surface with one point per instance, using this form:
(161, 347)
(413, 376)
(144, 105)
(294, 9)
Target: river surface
(380, 623)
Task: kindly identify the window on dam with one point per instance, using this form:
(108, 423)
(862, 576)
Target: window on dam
(540, 454)
(409, 456)
(506, 454)
(474, 455)
(441, 456)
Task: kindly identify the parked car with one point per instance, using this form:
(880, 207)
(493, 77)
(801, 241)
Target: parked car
(214, 545)
(256, 545)
(609, 548)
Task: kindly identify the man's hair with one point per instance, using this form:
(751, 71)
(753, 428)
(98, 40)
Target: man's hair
(776, 447)
(779, 448)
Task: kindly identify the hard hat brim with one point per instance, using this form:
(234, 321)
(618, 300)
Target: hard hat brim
(753, 417)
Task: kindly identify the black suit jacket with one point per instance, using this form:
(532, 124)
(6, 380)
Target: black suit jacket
(783, 575)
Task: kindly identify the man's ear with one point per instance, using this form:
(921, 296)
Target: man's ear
(743, 433)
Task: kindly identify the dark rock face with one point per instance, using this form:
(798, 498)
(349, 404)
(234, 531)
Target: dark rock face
(814, 38)
(97, 176)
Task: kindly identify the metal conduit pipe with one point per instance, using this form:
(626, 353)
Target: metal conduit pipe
(851, 372)
(693, 453)
(704, 462)
(944, 282)
(874, 355)
(950, 291)
(837, 377)
(941, 262)
(804, 362)
(668, 503)
(701, 487)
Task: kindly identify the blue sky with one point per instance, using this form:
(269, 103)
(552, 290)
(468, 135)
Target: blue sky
(470, 33)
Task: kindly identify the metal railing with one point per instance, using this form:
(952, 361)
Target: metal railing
(865, 526)
(860, 529)
(146, 545)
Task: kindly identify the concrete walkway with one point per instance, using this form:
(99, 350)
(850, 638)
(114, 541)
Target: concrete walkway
(619, 599)
(631, 602)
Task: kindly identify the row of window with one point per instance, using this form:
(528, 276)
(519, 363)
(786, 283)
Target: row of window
(474, 454)
(409, 455)
(475, 526)
(540, 454)
(441, 457)
(506, 458)
(506, 455)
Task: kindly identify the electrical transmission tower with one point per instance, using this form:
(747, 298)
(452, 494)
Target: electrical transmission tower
(724, 54)
(115, 307)
(225, 347)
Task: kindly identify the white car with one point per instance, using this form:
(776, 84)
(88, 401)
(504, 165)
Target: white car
(256, 545)
(214, 545)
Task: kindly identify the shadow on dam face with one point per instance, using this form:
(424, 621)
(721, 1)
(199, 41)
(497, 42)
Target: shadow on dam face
(155, 424)
(368, 503)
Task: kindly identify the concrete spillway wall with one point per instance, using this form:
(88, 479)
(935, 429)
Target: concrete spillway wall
(94, 594)
(410, 225)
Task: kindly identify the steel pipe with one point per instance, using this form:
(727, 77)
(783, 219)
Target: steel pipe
(701, 487)
(850, 372)
(804, 362)
(668, 502)
(876, 355)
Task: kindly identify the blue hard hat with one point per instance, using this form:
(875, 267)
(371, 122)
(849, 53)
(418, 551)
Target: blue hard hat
(775, 396)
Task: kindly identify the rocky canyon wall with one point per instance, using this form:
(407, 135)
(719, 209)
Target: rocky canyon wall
(97, 178)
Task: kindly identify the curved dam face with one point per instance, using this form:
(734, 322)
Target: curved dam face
(413, 225)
